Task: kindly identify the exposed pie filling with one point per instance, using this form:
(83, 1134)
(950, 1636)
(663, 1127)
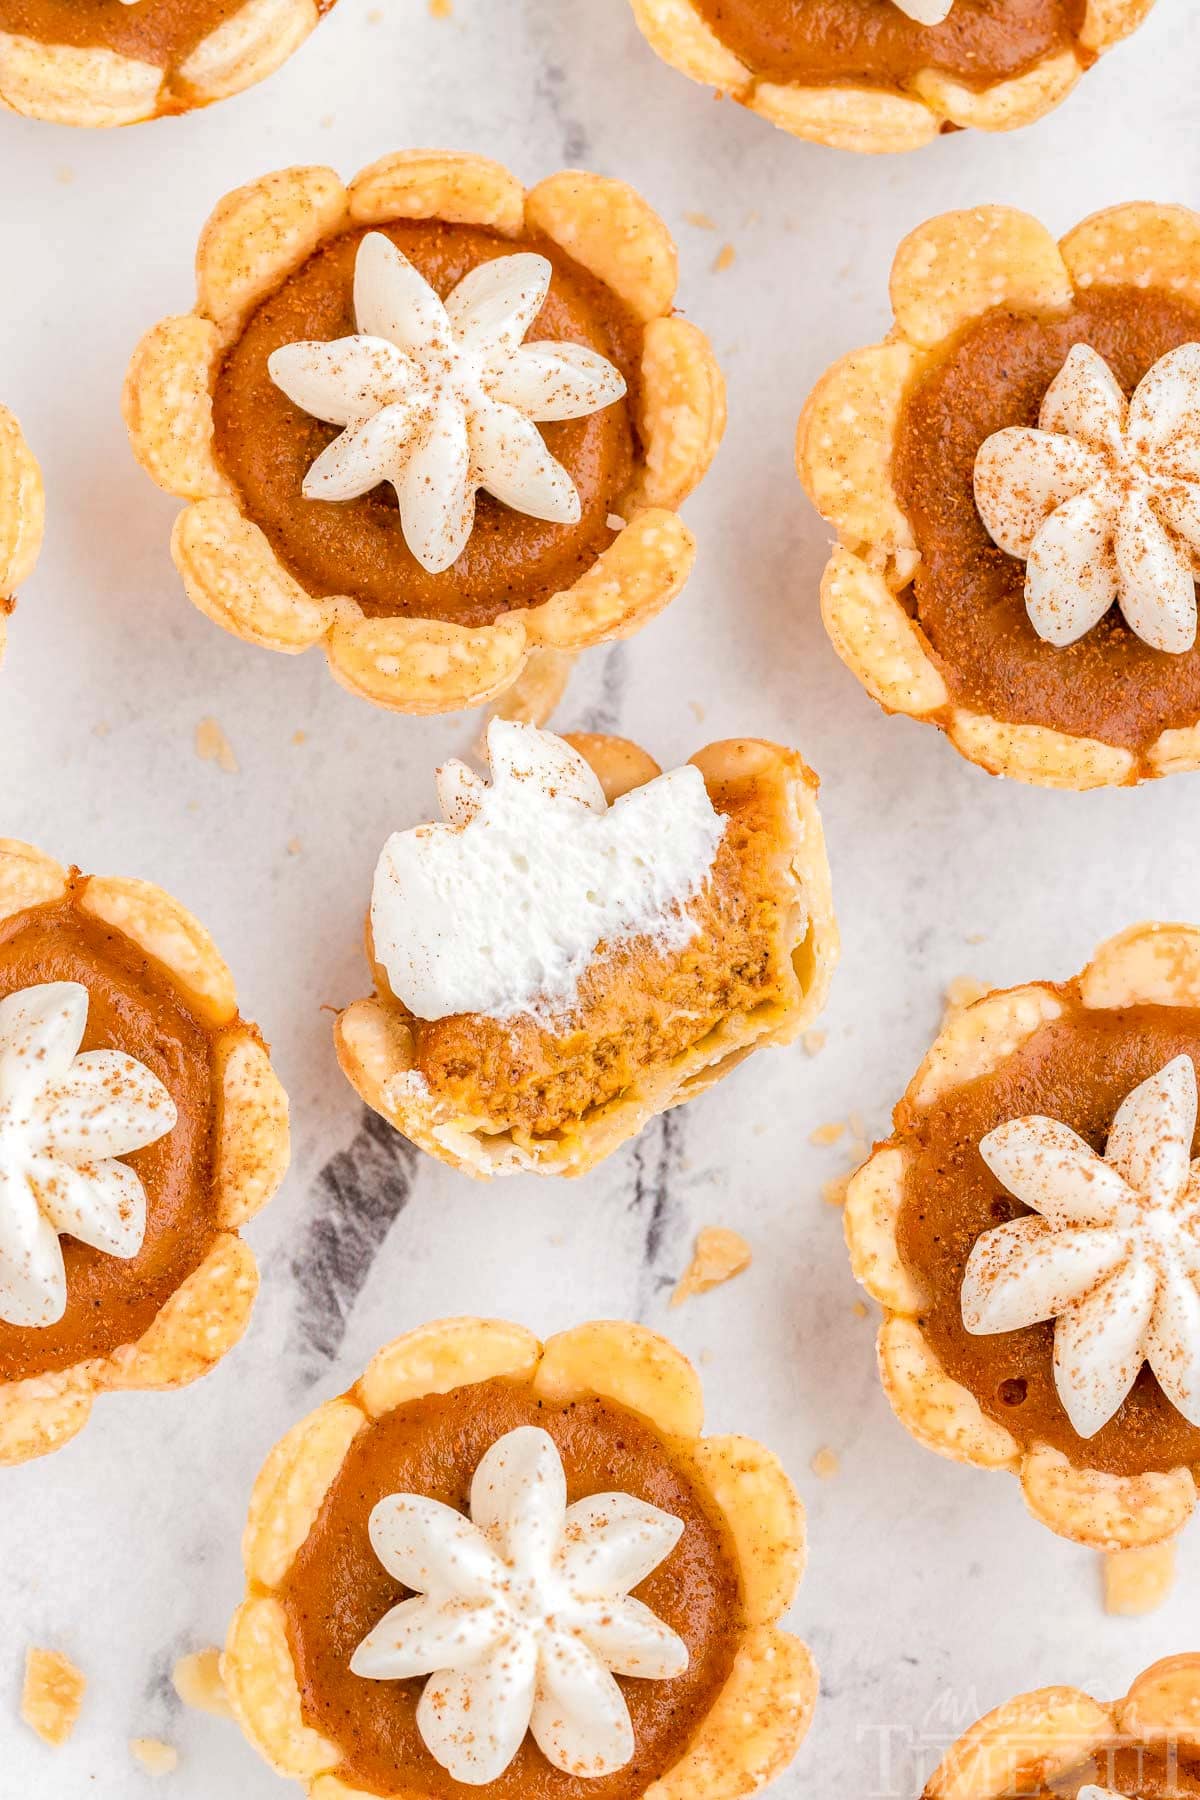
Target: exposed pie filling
(639, 1006)
(266, 444)
(162, 32)
(338, 1590)
(135, 1008)
(873, 43)
(968, 596)
(1076, 1069)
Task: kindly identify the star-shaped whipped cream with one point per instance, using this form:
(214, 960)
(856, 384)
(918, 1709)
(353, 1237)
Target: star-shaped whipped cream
(1113, 1253)
(64, 1119)
(522, 1614)
(441, 398)
(1102, 500)
(926, 12)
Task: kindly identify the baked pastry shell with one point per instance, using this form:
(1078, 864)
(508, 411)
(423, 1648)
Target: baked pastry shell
(761, 1715)
(208, 1312)
(1149, 964)
(253, 241)
(1045, 1735)
(374, 1038)
(91, 86)
(883, 119)
(949, 272)
(22, 513)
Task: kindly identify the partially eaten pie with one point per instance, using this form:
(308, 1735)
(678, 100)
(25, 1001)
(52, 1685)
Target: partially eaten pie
(141, 1124)
(1014, 479)
(585, 943)
(1059, 1744)
(883, 75)
(1032, 1230)
(115, 62)
(22, 513)
(509, 1568)
(436, 424)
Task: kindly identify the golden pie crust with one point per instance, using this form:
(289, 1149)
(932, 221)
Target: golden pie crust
(208, 1312)
(947, 274)
(761, 1715)
(375, 1043)
(1054, 1736)
(1148, 964)
(254, 240)
(22, 514)
(69, 84)
(884, 118)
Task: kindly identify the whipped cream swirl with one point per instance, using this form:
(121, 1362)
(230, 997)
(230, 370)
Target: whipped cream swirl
(1102, 501)
(522, 1614)
(501, 909)
(1113, 1253)
(64, 1119)
(441, 398)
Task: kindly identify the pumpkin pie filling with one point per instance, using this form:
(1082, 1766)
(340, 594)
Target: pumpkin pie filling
(161, 32)
(873, 43)
(136, 1009)
(337, 1590)
(639, 1005)
(1076, 1069)
(265, 444)
(968, 596)
(1137, 1772)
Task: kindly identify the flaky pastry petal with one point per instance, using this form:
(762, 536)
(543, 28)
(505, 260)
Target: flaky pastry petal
(1039, 754)
(427, 665)
(868, 120)
(1106, 1512)
(171, 936)
(756, 1725)
(959, 265)
(1039, 1735)
(196, 1327)
(253, 1144)
(1106, 22)
(1005, 105)
(1150, 964)
(978, 1039)
(67, 84)
(875, 637)
(167, 406)
(1164, 1702)
(615, 234)
(230, 572)
(22, 509)
(28, 877)
(438, 184)
(765, 1519)
(245, 48)
(874, 1199)
(636, 1367)
(682, 394)
(43, 1412)
(259, 233)
(640, 573)
(939, 1412)
(685, 40)
(450, 1353)
(291, 1488)
(260, 1679)
(845, 443)
(1136, 245)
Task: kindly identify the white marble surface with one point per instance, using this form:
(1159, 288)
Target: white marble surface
(930, 1594)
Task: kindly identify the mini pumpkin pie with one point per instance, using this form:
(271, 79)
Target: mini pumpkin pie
(512, 1568)
(1014, 480)
(431, 422)
(1032, 1230)
(140, 1124)
(1059, 1744)
(884, 75)
(22, 514)
(585, 943)
(115, 62)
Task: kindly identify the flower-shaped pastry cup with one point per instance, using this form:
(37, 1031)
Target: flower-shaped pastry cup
(375, 1042)
(1041, 1740)
(22, 513)
(949, 272)
(254, 240)
(1147, 965)
(879, 119)
(86, 85)
(762, 1713)
(208, 1312)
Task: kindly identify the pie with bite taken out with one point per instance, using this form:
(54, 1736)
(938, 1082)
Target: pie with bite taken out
(116, 62)
(1032, 1231)
(510, 1568)
(436, 424)
(888, 75)
(141, 1123)
(586, 942)
(1014, 479)
(22, 514)
(1059, 1744)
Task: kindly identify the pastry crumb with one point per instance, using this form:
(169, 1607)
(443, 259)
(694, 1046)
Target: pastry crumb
(155, 1757)
(698, 710)
(213, 746)
(101, 729)
(833, 1193)
(64, 174)
(700, 220)
(962, 992)
(196, 1678)
(861, 1310)
(441, 9)
(975, 937)
(615, 522)
(52, 1695)
(299, 737)
(1137, 1581)
(720, 1254)
(725, 259)
(814, 1042)
(294, 846)
(827, 1134)
(825, 1463)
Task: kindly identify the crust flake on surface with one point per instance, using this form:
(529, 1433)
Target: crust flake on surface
(51, 1695)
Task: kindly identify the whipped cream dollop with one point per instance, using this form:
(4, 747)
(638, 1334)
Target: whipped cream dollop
(64, 1119)
(1113, 1253)
(441, 398)
(1092, 1792)
(926, 12)
(501, 909)
(522, 1614)
(1102, 500)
